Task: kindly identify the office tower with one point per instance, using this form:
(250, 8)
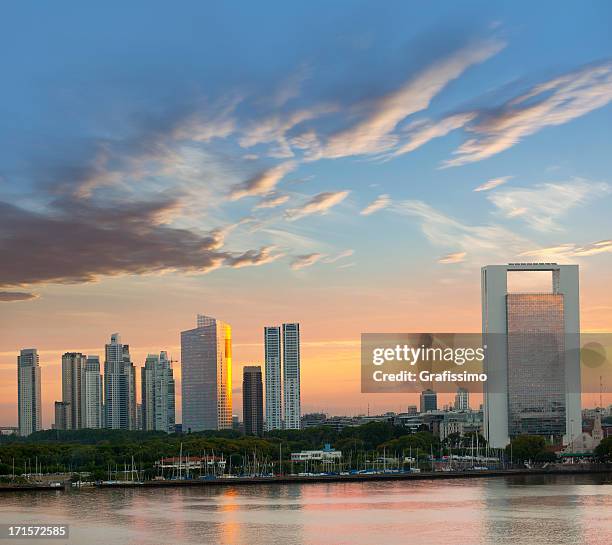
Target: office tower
(206, 383)
(158, 401)
(119, 386)
(252, 400)
(462, 400)
(28, 392)
(274, 393)
(291, 376)
(532, 358)
(429, 401)
(62, 415)
(92, 412)
(73, 368)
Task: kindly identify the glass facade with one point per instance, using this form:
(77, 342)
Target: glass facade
(206, 367)
(536, 364)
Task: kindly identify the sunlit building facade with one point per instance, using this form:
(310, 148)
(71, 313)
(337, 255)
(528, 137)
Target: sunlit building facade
(206, 382)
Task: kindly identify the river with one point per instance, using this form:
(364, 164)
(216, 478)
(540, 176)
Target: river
(533, 510)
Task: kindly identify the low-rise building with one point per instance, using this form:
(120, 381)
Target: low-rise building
(328, 454)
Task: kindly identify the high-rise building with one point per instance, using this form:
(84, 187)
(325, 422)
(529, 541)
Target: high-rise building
(252, 400)
(92, 412)
(206, 381)
(532, 358)
(158, 397)
(274, 393)
(291, 376)
(28, 392)
(462, 400)
(429, 401)
(73, 369)
(119, 386)
(62, 415)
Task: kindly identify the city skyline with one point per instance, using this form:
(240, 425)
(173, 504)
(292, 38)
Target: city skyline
(351, 183)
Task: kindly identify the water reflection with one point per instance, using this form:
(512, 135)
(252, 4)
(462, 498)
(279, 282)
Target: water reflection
(534, 510)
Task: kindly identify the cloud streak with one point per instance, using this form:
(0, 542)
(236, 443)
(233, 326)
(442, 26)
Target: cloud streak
(13, 296)
(568, 251)
(382, 201)
(541, 206)
(319, 204)
(263, 182)
(547, 104)
(492, 184)
(374, 134)
(306, 260)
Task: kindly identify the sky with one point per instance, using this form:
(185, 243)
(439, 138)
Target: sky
(346, 165)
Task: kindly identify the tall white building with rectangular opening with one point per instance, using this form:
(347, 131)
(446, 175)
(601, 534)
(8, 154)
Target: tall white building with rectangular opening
(532, 357)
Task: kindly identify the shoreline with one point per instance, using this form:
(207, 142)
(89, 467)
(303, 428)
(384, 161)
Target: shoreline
(305, 479)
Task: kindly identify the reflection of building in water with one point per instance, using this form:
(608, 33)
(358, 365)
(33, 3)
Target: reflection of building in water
(532, 360)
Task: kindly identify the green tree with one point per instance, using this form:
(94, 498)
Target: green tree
(526, 447)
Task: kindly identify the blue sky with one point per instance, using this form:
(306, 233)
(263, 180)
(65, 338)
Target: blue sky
(330, 150)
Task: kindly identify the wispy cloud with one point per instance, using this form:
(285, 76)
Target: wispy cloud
(253, 258)
(338, 257)
(457, 257)
(374, 134)
(13, 296)
(263, 182)
(382, 201)
(319, 204)
(551, 103)
(493, 183)
(307, 260)
(541, 206)
(482, 243)
(567, 251)
(272, 200)
(421, 133)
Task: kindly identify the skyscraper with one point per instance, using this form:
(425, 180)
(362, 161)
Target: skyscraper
(28, 392)
(429, 401)
(274, 393)
(119, 386)
(158, 401)
(92, 416)
(291, 376)
(462, 400)
(252, 400)
(532, 358)
(62, 415)
(73, 369)
(206, 383)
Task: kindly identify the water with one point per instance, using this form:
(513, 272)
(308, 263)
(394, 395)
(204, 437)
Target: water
(519, 510)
